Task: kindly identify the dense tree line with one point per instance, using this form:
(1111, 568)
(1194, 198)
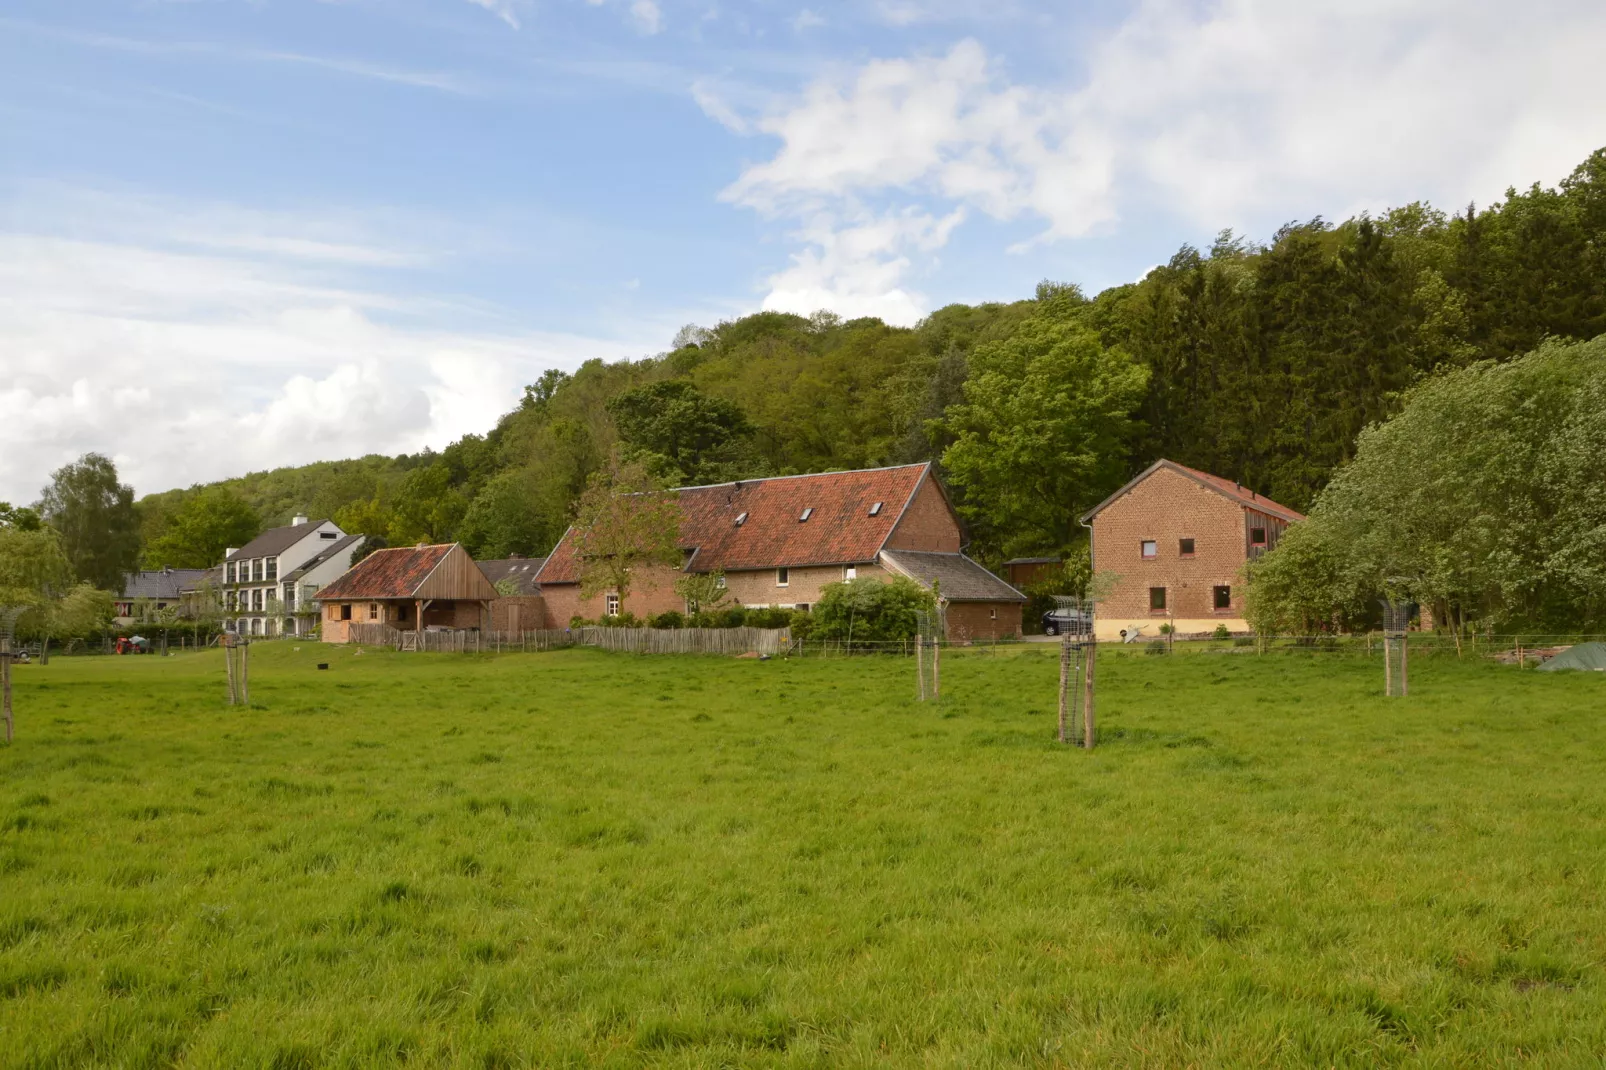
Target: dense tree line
(1262, 363)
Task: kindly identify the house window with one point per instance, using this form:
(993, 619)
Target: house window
(272, 565)
(802, 607)
(345, 611)
(781, 579)
(256, 625)
(806, 514)
(719, 581)
(256, 599)
(1156, 598)
(992, 614)
(328, 536)
(875, 508)
(1185, 547)
(1150, 548)
(234, 600)
(1257, 536)
(611, 605)
(228, 573)
(1221, 597)
(850, 572)
(373, 610)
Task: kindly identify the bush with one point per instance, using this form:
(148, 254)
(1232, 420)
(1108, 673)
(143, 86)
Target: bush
(870, 611)
(668, 619)
(802, 624)
(1156, 646)
(733, 617)
(1221, 632)
(773, 617)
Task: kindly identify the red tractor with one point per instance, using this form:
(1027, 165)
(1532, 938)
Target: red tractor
(137, 645)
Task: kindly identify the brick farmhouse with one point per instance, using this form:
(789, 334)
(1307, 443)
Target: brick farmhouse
(780, 541)
(1177, 539)
(410, 589)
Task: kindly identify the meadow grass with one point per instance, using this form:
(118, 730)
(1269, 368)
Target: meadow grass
(577, 858)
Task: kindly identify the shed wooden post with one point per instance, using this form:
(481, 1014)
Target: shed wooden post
(1065, 683)
(5, 684)
(1089, 652)
(1405, 657)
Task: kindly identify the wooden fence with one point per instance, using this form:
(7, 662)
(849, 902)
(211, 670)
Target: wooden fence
(687, 640)
(621, 640)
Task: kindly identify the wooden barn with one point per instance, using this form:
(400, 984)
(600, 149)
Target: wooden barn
(410, 589)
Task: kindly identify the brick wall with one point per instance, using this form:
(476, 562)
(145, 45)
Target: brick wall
(1168, 507)
(983, 620)
(803, 585)
(927, 524)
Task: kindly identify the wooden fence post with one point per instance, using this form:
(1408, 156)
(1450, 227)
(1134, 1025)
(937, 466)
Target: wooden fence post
(1065, 684)
(5, 685)
(936, 667)
(1088, 654)
(245, 674)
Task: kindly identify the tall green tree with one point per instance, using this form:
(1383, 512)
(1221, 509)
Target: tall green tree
(624, 522)
(684, 436)
(1044, 431)
(94, 515)
(203, 527)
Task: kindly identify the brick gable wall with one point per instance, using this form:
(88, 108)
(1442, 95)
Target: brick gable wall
(1168, 507)
(928, 524)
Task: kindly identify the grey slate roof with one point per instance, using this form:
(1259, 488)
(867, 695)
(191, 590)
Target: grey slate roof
(274, 541)
(342, 544)
(959, 579)
(161, 584)
(522, 569)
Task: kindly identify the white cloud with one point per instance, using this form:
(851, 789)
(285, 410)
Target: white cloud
(856, 267)
(647, 16)
(807, 20)
(188, 363)
(502, 9)
(1236, 113)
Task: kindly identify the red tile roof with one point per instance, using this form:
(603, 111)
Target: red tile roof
(393, 573)
(840, 530)
(1236, 491)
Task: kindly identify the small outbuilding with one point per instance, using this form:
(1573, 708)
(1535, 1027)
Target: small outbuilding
(410, 589)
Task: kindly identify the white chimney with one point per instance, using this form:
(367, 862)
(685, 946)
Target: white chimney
(229, 552)
(297, 520)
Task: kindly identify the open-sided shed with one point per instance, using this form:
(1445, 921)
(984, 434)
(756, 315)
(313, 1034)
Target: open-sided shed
(408, 588)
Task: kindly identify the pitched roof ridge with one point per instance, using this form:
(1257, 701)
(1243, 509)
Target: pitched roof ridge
(797, 475)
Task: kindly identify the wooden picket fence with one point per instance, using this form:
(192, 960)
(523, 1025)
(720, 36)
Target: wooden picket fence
(621, 640)
(687, 640)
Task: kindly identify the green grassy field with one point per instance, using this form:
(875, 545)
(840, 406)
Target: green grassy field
(578, 858)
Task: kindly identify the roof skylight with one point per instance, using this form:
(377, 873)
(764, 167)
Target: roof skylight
(806, 514)
(875, 510)
(741, 519)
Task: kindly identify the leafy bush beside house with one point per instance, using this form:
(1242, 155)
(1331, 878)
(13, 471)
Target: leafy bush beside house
(870, 611)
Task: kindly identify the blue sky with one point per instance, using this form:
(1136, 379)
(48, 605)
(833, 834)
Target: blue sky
(236, 234)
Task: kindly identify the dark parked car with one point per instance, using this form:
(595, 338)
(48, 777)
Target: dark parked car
(1067, 622)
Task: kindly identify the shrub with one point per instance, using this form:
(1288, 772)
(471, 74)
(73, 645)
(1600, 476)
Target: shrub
(668, 619)
(733, 617)
(772, 617)
(1221, 632)
(870, 611)
(801, 623)
(1166, 629)
(1156, 646)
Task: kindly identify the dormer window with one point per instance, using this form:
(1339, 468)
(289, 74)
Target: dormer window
(806, 514)
(875, 508)
(741, 518)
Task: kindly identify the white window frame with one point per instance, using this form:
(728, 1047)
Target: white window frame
(610, 604)
(1149, 549)
(783, 577)
(850, 572)
(719, 581)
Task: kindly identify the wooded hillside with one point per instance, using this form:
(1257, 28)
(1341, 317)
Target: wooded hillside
(1261, 363)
